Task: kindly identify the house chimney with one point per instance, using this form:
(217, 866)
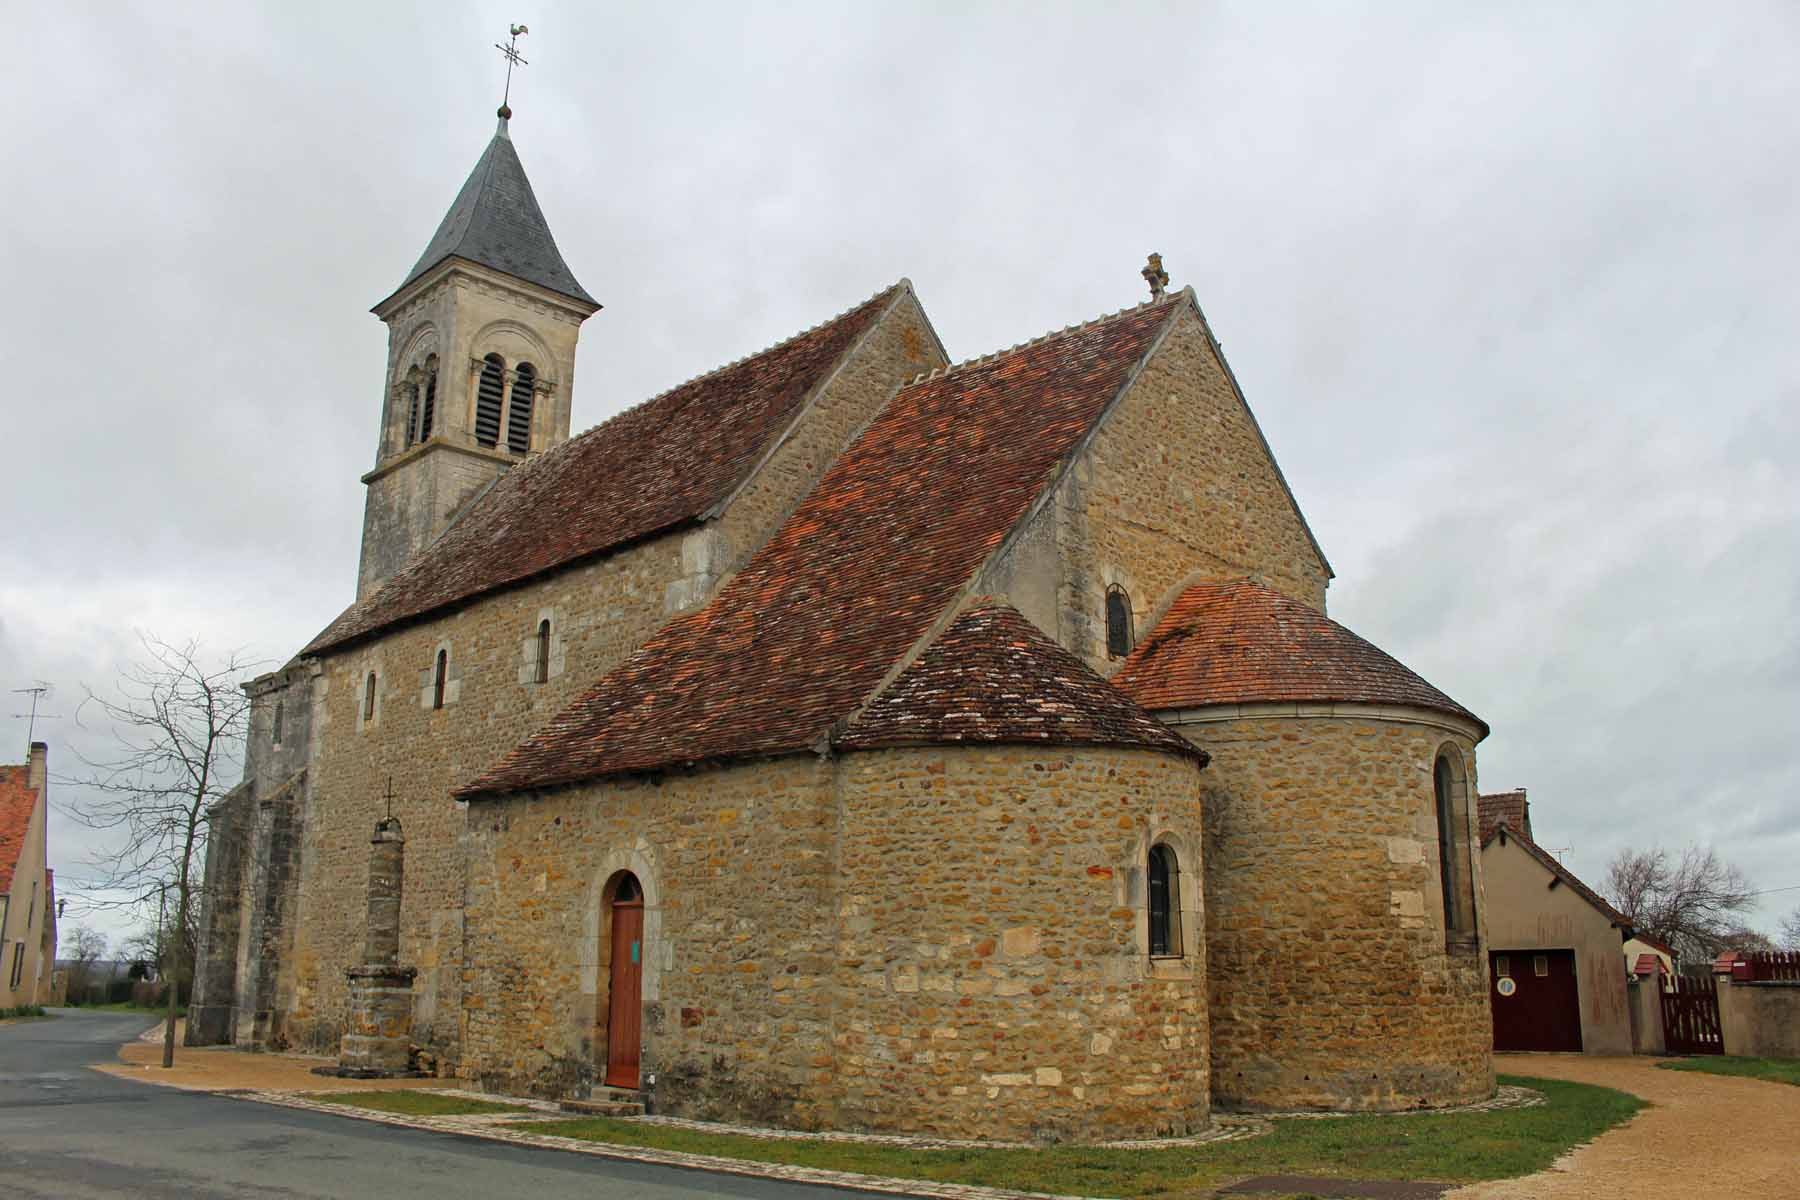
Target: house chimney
(40, 755)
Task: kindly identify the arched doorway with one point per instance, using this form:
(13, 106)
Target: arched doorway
(625, 972)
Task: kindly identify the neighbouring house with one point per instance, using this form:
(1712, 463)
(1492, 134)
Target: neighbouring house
(1557, 979)
(1647, 958)
(850, 738)
(27, 897)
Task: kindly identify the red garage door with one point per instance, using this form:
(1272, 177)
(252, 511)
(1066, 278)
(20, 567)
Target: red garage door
(1536, 1006)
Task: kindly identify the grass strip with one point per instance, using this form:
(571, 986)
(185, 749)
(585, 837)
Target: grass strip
(420, 1103)
(1452, 1147)
(1775, 1070)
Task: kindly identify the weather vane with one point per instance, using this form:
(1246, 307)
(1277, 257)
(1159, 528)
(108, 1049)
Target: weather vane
(511, 51)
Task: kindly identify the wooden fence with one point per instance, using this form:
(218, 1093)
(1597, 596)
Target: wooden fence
(1691, 1016)
(1766, 966)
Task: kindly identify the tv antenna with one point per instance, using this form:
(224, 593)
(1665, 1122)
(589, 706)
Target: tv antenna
(37, 694)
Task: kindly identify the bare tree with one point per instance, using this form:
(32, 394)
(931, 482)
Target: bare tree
(1790, 930)
(82, 947)
(179, 720)
(1691, 902)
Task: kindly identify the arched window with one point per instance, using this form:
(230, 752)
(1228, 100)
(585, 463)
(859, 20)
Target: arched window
(369, 698)
(543, 651)
(428, 410)
(437, 679)
(1455, 875)
(488, 394)
(412, 413)
(1164, 879)
(1118, 622)
(518, 417)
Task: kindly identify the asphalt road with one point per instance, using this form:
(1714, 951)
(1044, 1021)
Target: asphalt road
(69, 1133)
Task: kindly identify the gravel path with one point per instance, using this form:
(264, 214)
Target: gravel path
(1707, 1135)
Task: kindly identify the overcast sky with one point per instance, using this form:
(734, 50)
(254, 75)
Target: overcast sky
(1510, 288)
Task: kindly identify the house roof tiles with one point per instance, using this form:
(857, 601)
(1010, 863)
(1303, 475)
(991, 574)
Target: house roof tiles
(1235, 641)
(18, 799)
(1509, 807)
(877, 552)
(651, 468)
(992, 676)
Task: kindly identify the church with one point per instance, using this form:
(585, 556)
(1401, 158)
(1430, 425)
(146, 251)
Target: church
(850, 737)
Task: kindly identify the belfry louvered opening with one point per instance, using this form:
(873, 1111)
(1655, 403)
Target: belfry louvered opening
(518, 416)
(428, 409)
(488, 395)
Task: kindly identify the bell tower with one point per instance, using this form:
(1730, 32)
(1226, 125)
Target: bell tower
(481, 361)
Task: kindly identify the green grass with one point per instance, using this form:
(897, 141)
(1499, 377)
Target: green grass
(420, 1103)
(21, 1011)
(1455, 1147)
(126, 1006)
(1775, 1070)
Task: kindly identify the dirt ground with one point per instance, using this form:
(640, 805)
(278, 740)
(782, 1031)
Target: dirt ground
(222, 1068)
(1707, 1135)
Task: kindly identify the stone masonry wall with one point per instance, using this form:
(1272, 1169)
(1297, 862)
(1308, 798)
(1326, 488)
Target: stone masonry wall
(992, 974)
(1176, 484)
(600, 611)
(1331, 983)
(735, 867)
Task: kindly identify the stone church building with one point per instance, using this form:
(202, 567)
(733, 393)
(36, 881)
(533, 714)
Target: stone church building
(850, 737)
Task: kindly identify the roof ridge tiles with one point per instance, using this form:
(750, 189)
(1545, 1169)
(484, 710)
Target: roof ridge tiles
(740, 361)
(1079, 326)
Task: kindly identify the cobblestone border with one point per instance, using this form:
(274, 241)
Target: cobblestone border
(493, 1127)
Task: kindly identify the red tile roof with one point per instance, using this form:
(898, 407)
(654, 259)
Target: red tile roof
(994, 677)
(877, 552)
(651, 468)
(18, 799)
(1508, 807)
(1647, 964)
(1234, 641)
(1550, 863)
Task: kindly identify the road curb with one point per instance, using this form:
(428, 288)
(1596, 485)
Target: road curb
(847, 1180)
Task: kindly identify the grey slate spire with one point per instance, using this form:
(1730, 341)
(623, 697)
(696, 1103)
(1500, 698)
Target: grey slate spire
(496, 222)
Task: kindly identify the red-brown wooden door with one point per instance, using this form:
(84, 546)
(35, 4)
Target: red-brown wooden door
(1541, 1010)
(625, 1010)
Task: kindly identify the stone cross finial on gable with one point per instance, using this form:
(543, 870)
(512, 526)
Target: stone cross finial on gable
(1155, 276)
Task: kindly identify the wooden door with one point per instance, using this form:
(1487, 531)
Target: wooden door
(1691, 1016)
(1536, 1002)
(624, 1019)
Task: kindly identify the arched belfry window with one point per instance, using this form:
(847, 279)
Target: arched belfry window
(428, 407)
(438, 678)
(412, 412)
(543, 651)
(1163, 878)
(1455, 870)
(518, 417)
(1118, 622)
(489, 392)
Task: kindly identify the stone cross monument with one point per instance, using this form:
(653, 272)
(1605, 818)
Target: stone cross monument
(377, 1038)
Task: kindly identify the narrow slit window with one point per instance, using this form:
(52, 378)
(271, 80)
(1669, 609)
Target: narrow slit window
(275, 724)
(369, 698)
(488, 394)
(437, 680)
(428, 410)
(518, 417)
(543, 651)
(1118, 622)
(1441, 785)
(1164, 887)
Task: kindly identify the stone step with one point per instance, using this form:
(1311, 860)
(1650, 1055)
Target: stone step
(605, 1106)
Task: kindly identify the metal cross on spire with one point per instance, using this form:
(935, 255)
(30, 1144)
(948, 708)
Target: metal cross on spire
(511, 52)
